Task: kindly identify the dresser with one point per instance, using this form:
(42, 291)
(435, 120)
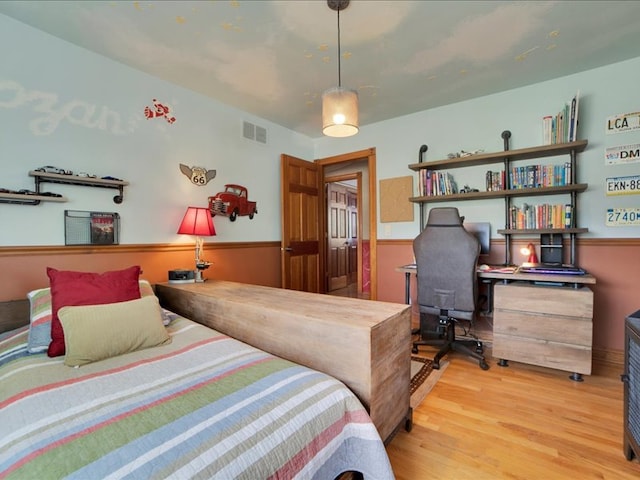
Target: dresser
(546, 325)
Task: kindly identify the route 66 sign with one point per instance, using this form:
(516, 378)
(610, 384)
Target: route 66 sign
(198, 175)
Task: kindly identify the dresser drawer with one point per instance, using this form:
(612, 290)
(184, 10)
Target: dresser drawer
(572, 330)
(562, 356)
(565, 301)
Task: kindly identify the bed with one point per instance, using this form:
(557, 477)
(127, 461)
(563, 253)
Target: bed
(200, 405)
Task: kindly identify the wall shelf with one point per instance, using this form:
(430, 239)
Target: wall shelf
(520, 192)
(44, 177)
(537, 231)
(499, 157)
(24, 199)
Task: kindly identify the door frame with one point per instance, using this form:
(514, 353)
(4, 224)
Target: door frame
(369, 155)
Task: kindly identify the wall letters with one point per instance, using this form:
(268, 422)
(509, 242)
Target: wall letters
(76, 112)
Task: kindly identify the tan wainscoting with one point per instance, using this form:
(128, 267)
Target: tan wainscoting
(24, 268)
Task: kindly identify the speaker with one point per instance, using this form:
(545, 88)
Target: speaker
(551, 248)
(181, 276)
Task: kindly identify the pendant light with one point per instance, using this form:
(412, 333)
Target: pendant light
(339, 104)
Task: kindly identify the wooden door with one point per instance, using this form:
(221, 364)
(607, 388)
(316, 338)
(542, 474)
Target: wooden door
(338, 237)
(301, 231)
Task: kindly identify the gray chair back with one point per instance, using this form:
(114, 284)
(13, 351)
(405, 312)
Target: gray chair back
(446, 258)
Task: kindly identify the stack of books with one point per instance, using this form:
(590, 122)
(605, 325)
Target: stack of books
(563, 127)
(495, 181)
(431, 182)
(535, 176)
(541, 216)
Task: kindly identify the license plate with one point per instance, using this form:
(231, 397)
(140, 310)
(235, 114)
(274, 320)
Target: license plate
(617, 217)
(623, 185)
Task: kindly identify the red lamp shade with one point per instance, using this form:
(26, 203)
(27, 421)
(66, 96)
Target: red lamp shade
(197, 221)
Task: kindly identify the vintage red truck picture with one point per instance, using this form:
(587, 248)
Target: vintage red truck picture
(232, 202)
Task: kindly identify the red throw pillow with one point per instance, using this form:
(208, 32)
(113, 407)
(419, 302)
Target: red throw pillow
(85, 288)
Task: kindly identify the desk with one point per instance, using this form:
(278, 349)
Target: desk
(574, 280)
(412, 268)
(540, 319)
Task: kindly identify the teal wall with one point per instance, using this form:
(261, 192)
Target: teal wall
(65, 106)
(478, 123)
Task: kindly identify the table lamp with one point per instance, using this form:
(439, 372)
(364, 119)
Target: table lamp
(197, 221)
(531, 251)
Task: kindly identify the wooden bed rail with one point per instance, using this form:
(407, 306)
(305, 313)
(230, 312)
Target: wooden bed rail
(13, 314)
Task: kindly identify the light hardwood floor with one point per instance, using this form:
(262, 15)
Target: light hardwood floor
(516, 422)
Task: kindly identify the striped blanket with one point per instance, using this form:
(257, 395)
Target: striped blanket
(204, 406)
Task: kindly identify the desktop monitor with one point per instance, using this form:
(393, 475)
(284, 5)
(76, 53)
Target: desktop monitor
(482, 231)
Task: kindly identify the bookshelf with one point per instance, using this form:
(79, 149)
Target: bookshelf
(508, 158)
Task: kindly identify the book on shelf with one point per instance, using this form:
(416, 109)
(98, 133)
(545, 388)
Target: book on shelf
(559, 127)
(547, 122)
(568, 216)
(573, 128)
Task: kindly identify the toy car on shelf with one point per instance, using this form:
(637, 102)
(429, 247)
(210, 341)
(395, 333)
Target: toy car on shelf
(52, 169)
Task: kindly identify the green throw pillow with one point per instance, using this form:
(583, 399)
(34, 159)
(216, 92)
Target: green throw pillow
(96, 332)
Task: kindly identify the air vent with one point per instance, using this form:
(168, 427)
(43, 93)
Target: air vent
(254, 132)
(248, 130)
(261, 134)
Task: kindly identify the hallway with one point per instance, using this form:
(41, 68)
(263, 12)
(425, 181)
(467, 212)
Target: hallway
(350, 291)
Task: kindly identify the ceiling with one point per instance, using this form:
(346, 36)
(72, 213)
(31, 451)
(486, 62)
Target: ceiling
(274, 59)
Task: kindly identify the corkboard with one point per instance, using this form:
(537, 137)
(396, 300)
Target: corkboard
(394, 199)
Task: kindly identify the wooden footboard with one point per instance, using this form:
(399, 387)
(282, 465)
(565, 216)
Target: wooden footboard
(365, 344)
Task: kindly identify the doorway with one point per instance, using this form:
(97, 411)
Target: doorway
(360, 167)
(344, 260)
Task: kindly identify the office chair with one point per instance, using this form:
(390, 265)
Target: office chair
(446, 258)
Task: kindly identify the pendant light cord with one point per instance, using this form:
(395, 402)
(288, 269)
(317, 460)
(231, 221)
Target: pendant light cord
(339, 76)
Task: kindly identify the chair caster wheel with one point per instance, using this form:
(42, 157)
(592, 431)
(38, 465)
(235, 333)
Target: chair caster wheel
(484, 365)
(436, 365)
(414, 349)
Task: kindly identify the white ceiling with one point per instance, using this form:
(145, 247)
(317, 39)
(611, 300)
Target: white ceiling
(275, 58)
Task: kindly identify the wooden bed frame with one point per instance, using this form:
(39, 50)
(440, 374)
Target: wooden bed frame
(13, 314)
(365, 344)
